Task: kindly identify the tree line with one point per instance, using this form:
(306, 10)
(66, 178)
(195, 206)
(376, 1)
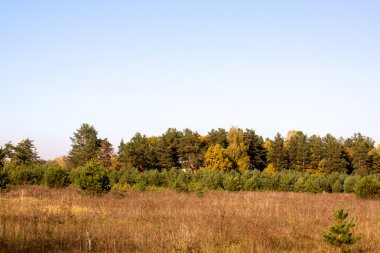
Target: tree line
(233, 150)
(232, 160)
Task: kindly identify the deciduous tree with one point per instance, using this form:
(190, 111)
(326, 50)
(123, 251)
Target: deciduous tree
(216, 158)
(237, 150)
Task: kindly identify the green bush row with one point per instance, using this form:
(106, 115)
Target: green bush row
(95, 178)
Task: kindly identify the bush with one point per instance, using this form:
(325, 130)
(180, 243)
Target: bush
(129, 176)
(299, 185)
(198, 188)
(4, 179)
(182, 182)
(312, 184)
(349, 183)
(337, 187)
(251, 181)
(269, 181)
(19, 175)
(231, 181)
(56, 177)
(333, 178)
(368, 187)
(93, 178)
(286, 181)
(212, 179)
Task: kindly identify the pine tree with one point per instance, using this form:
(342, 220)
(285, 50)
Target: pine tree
(190, 150)
(358, 148)
(316, 151)
(138, 153)
(334, 160)
(339, 233)
(217, 137)
(24, 153)
(167, 149)
(255, 150)
(84, 146)
(276, 153)
(297, 147)
(105, 152)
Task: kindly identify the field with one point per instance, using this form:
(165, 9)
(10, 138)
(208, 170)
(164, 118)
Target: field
(38, 219)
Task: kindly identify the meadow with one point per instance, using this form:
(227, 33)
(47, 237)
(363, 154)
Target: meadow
(39, 219)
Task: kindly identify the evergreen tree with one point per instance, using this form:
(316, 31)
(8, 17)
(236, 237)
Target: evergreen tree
(339, 233)
(358, 148)
(167, 149)
(190, 150)
(217, 137)
(105, 152)
(297, 148)
(2, 157)
(316, 151)
(138, 153)
(276, 153)
(255, 150)
(84, 146)
(374, 161)
(24, 153)
(334, 160)
(122, 159)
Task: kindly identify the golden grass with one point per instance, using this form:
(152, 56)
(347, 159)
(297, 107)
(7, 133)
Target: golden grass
(38, 219)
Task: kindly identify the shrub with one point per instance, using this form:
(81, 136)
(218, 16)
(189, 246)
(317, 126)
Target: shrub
(299, 185)
(312, 184)
(337, 187)
(93, 178)
(129, 176)
(269, 181)
(181, 184)
(368, 187)
(251, 181)
(333, 177)
(4, 179)
(286, 181)
(231, 181)
(26, 175)
(55, 176)
(212, 179)
(198, 188)
(119, 189)
(349, 183)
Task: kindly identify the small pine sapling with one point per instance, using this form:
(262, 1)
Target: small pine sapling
(339, 233)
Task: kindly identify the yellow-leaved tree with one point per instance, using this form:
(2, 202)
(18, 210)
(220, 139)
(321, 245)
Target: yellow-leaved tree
(237, 150)
(216, 158)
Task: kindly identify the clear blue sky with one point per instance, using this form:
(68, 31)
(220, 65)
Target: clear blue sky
(128, 66)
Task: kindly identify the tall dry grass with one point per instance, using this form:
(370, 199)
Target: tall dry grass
(38, 219)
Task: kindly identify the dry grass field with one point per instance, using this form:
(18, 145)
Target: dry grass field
(38, 219)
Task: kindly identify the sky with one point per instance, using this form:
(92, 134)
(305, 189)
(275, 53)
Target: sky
(144, 66)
